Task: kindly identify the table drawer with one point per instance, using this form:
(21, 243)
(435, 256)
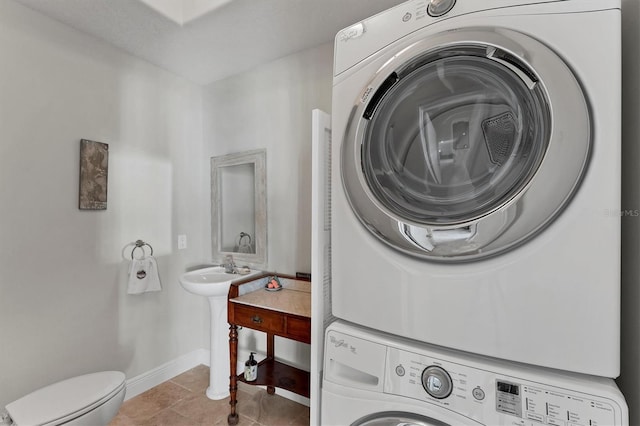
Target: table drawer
(299, 329)
(259, 319)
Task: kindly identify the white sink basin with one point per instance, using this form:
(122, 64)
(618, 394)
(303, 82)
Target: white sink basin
(210, 281)
(214, 283)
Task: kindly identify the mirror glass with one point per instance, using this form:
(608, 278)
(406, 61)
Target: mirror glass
(239, 208)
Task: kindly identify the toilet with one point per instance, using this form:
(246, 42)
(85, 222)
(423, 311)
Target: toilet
(92, 399)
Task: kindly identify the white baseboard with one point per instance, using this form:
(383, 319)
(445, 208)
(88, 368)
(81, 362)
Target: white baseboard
(145, 381)
(292, 396)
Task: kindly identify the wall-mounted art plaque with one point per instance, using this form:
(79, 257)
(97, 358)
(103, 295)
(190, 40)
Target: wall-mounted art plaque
(94, 167)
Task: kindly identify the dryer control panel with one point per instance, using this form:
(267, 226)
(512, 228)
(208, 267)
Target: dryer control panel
(492, 397)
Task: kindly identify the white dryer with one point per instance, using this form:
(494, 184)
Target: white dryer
(476, 178)
(372, 379)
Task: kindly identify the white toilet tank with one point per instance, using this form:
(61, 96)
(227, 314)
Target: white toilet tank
(92, 399)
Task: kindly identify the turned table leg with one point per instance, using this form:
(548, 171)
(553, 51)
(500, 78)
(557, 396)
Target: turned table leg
(271, 355)
(233, 418)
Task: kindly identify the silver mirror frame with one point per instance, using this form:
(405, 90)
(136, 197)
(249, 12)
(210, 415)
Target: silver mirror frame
(259, 159)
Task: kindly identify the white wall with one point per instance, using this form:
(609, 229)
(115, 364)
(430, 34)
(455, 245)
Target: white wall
(63, 304)
(270, 107)
(629, 380)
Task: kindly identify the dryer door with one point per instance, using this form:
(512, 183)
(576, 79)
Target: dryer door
(466, 144)
(394, 418)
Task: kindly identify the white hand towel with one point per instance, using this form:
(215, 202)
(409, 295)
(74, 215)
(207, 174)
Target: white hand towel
(143, 276)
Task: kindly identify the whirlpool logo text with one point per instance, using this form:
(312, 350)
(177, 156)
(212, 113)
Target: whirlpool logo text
(623, 213)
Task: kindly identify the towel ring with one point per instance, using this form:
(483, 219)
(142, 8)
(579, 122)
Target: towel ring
(244, 246)
(139, 244)
(244, 235)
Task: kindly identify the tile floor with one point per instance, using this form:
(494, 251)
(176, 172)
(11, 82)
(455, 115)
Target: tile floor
(181, 402)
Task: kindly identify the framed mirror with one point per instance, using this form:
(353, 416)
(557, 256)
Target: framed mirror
(239, 208)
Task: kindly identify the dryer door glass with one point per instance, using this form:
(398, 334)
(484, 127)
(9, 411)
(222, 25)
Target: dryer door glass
(454, 139)
(397, 418)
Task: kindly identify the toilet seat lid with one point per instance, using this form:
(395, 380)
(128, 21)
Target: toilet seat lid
(67, 399)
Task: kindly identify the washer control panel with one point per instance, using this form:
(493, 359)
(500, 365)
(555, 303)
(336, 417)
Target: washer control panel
(492, 397)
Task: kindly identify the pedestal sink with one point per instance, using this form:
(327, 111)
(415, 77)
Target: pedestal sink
(214, 284)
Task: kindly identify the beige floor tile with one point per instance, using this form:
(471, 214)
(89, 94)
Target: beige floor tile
(122, 420)
(138, 409)
(181, 401)
(250, 388)
(167, 394)
(149, 403)
(168, 417)
(244, 421)
(202, 410)
(196, 379)
(303, 420)
(268, 409)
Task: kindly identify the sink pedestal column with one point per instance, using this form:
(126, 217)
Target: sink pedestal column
(219, 363)
(214, 284)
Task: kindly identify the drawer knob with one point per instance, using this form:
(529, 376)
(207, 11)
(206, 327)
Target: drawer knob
(256, 319)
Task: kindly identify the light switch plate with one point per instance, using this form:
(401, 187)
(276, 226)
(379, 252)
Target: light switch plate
(182, 242)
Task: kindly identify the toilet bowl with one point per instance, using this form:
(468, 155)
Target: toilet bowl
(92, 399)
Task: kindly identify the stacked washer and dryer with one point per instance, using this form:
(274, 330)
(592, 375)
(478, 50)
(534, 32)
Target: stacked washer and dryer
(475, 234)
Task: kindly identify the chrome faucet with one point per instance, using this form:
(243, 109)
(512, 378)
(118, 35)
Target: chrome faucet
(229, 264)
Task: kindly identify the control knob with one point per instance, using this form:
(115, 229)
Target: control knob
(440, 7)
(437, 382)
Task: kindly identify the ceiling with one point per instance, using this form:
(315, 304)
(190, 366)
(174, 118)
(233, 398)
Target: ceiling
(228, 38)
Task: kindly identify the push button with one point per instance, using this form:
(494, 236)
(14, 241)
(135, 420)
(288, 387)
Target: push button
(478, 393)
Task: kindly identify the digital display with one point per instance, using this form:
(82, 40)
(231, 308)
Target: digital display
(509, 388)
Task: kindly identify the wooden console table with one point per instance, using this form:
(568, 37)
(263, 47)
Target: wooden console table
(285, 313)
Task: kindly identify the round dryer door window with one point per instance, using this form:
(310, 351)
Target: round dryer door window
(398, 418)
(466, 144)
(454, 140)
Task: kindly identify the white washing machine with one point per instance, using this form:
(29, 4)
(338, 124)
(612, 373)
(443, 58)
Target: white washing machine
(476, 178)
(373, 379)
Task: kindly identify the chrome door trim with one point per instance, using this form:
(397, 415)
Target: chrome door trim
(525, 215)
(397, 418)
